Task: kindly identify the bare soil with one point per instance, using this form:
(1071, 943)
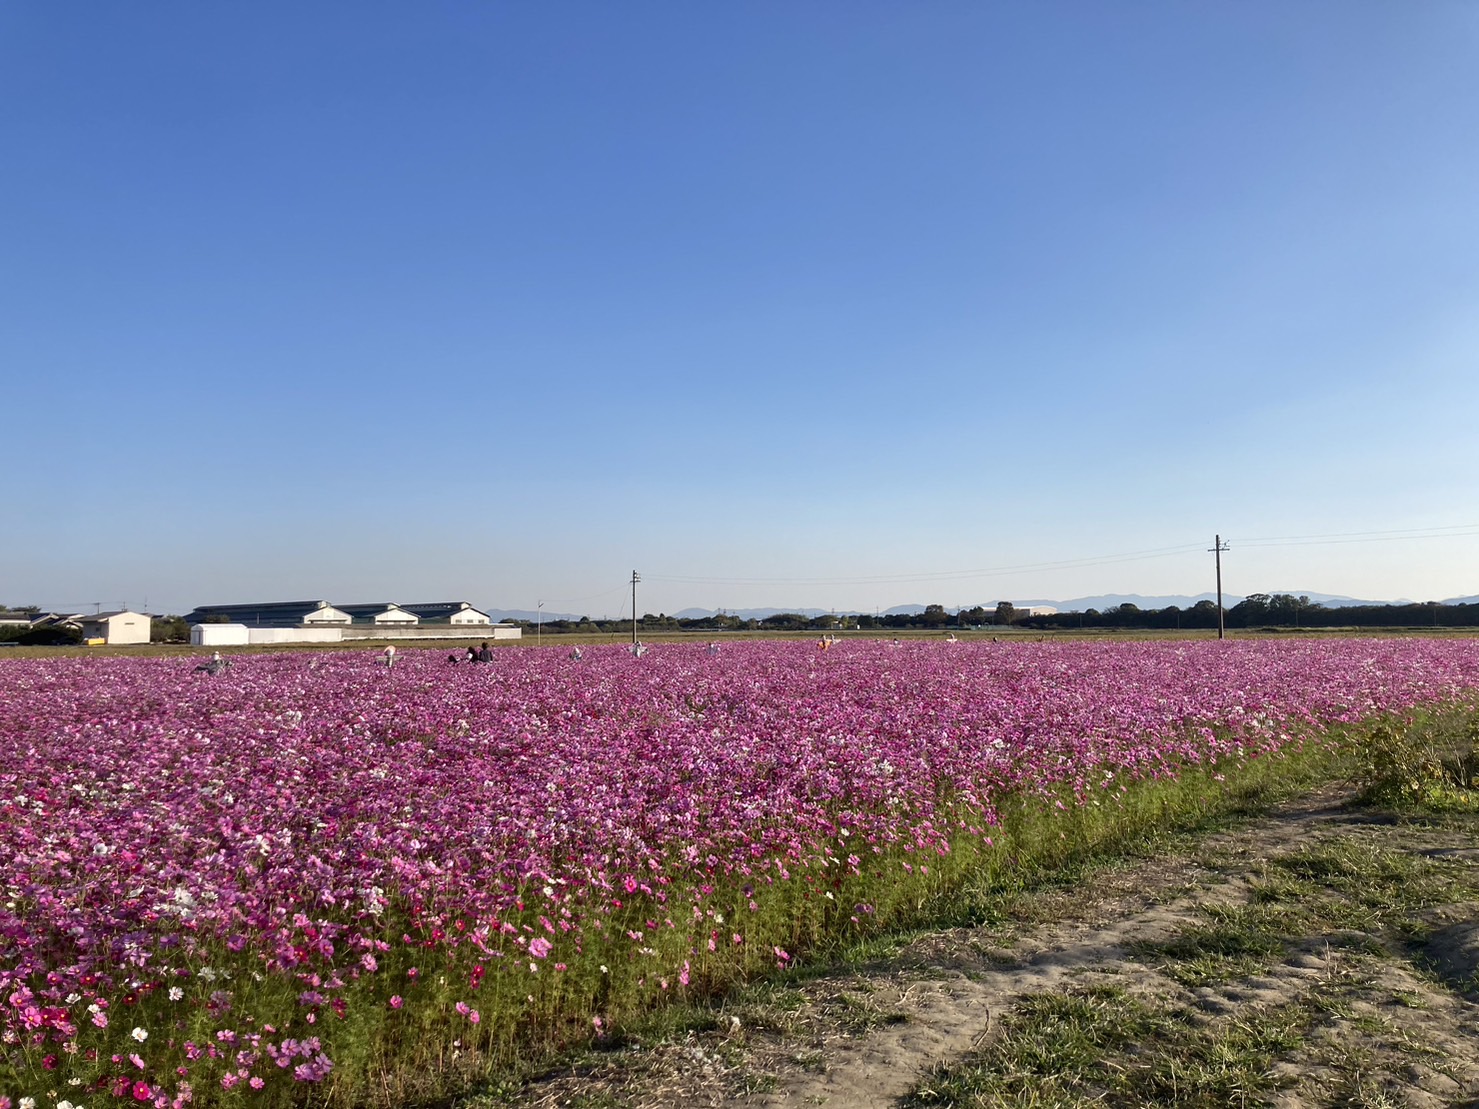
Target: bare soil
(1396, 1000)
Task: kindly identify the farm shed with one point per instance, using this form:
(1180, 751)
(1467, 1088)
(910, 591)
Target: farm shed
(273, 614)
(322, 622)
(122, 626)
(219, 635)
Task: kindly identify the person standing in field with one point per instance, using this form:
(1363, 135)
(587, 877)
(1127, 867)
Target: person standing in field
(388, 655)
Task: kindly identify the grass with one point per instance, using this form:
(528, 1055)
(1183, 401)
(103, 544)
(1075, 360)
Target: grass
(1102, 1045)
(1359, 903)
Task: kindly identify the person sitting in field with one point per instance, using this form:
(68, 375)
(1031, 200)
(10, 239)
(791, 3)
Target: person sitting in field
(452, 659)
(639, 648)
(472, 653)
(216, 665)
(484, 653)
(713, 649)
(575, 654)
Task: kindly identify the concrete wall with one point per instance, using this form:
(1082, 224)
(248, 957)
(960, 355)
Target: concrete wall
(435, 631)
(297, 635)
(238, 635)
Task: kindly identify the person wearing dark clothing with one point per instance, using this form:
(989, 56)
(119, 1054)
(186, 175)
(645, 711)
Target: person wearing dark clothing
(484, 654)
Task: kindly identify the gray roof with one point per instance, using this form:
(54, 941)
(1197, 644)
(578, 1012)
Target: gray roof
(287, 614)
(271, 614)
(442, 610)
(370, 611)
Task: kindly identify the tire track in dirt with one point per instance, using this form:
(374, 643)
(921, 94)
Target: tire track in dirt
(865, 1037)
(951, 1016)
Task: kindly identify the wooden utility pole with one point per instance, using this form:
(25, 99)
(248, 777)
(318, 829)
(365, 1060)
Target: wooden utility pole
(636, 577)
(1219, 546)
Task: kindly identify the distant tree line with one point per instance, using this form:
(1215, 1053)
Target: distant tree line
(1260, 610)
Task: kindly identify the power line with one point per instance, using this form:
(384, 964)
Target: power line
(1440, 532)
(1450, 531)
(936, 575)
(588, 597)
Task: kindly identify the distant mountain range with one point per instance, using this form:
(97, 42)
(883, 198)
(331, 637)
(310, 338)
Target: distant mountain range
(1102, 602)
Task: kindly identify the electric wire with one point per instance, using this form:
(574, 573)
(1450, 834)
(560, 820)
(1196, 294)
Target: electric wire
(1448, 531)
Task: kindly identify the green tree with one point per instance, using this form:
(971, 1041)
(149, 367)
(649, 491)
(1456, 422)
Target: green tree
(169, 629)
(53, 635)
(1006, 612)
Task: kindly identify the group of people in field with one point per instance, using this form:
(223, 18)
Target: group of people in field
(472, 654)
(484, 653)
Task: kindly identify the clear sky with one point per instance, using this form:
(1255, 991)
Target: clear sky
(824, 304)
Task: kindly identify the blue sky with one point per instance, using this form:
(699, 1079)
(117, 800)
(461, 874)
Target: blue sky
(832, 304)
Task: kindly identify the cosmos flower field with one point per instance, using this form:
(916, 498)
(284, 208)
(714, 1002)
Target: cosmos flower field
(271, 885)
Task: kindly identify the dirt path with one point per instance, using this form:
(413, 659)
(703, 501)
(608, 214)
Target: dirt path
(1386, 994)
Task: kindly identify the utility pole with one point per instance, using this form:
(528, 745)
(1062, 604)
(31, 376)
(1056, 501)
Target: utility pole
(1218, 546)
(636, 577)
(538, 622)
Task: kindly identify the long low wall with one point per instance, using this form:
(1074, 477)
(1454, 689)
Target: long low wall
(432, 631)
(295, 635)
(240, 635)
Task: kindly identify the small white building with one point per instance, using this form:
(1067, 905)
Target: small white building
(219, 635)
(387, 614)
(325, 613)
(451, 612)
(113, 628)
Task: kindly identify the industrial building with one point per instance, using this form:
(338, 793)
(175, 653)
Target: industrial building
(323, 622)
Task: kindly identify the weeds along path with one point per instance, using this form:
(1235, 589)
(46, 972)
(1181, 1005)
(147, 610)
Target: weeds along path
(1323, 954)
